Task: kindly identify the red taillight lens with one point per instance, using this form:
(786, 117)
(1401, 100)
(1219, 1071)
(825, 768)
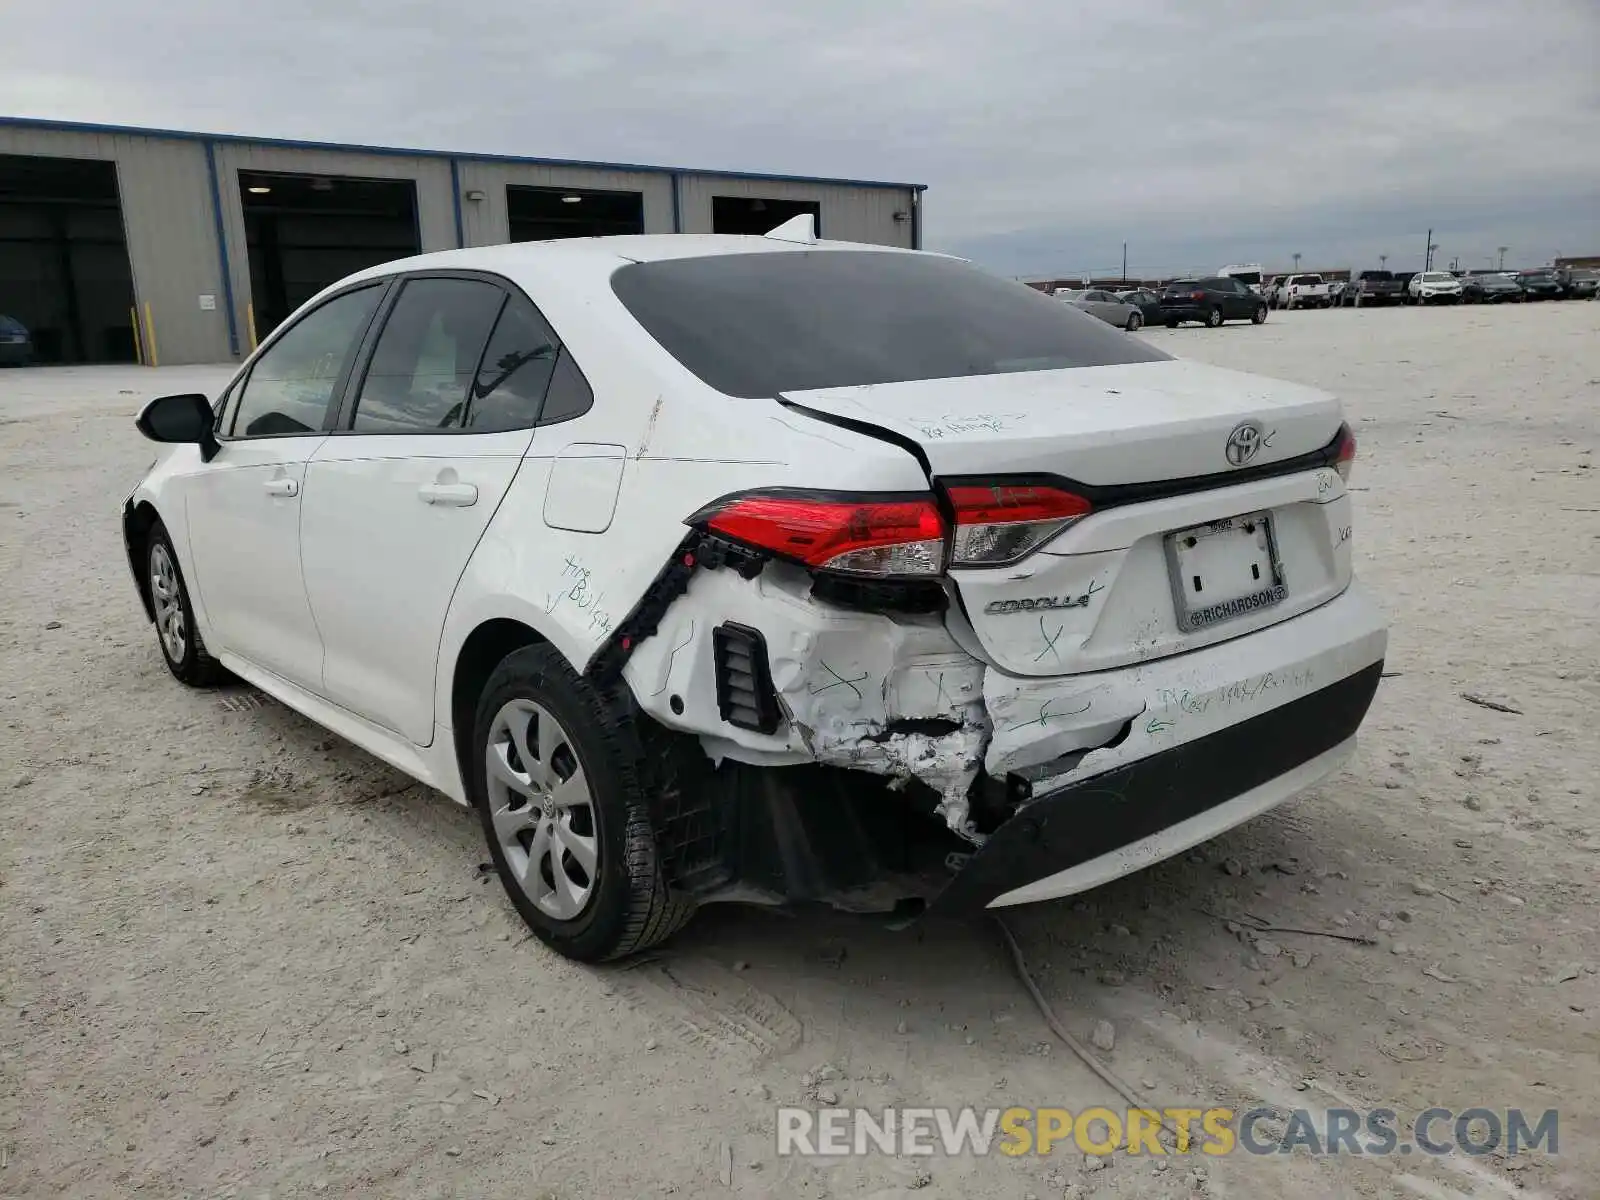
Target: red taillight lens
(1001, 523)
(1197, 295)
(863, 535)
(1345, 453)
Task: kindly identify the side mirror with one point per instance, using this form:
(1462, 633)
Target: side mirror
(186, 418)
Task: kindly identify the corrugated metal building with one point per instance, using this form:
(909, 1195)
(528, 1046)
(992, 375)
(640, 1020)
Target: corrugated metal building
(122, 244)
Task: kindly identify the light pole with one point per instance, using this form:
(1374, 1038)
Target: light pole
(1427, 256)
(1502, 250)
(1297, 262)
(1383, 261)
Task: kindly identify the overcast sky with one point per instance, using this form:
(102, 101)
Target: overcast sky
(1201, 131)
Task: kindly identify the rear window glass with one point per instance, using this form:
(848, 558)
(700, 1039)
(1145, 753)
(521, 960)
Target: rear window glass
(788, 321)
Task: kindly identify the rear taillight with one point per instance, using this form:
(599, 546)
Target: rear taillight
(876, 535)
(1001, 523)
(1344, 456)
(1197, 295)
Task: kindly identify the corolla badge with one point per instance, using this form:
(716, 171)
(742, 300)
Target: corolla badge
(1244, 443)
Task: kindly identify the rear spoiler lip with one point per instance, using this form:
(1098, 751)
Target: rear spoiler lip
(1101, 496)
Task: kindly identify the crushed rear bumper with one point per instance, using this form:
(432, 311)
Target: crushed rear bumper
(1074, 838)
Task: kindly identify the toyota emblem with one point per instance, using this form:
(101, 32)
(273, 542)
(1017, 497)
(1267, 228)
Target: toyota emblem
(1244, 443)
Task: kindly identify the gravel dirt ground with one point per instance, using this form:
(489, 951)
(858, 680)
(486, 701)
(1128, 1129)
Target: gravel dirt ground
(241, 958)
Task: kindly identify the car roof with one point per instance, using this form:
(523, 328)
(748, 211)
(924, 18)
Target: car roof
(602, 254)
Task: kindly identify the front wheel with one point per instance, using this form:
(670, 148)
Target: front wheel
(558, 779)
(181, 645)
(1135, 322)
(1213, 318)
(1259, 315)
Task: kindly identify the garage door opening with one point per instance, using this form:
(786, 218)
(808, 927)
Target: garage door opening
(64, 270)
(751, 214)
(307, 231)
(538, 214)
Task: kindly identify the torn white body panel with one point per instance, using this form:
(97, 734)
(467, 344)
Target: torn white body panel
(844, 680)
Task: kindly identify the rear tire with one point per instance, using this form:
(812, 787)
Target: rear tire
(566, 810)
(1213, 318)
(1259, 315)
(182, 648)
(1135, 322)
(1171, 324)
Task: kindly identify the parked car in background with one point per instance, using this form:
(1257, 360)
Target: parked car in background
(1109, 308)
(1433, 287)
(1211, 301)
(1491, 288)
(1541, 284)
(1373, 287)
(574, 532)
(1300, 291)
(1335, 291)
(1580, 283)
(1248, 274)
(1146, 300)
(16, 343)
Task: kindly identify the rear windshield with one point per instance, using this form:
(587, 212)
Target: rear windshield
(1183, 285)
(1377, 275)
(791, 321)
(1247, 277)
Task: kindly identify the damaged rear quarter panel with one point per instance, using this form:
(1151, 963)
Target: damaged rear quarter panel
(844, 679)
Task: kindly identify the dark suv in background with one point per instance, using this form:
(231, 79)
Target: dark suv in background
(1373, 287)
(1211, 301)
(1579, 283)
(1541, 284)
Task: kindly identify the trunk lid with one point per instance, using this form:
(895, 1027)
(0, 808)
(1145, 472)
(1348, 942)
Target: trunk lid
(1148, 444)
(1102, 426)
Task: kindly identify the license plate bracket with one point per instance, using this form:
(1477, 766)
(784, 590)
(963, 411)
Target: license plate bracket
(1224, 569)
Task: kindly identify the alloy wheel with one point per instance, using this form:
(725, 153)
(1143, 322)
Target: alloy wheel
(167, 596)
(542, 810)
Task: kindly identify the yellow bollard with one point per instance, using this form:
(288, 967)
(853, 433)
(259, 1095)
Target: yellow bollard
(250, 322)
(150, 334)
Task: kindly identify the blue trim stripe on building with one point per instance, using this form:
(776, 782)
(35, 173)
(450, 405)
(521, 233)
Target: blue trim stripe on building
(399, 152)
(455, 204)
(222, 251)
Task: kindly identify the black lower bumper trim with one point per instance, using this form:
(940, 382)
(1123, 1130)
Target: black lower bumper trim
(1083, 821)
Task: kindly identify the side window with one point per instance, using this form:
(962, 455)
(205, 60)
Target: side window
(426, 357)
(292, 383)
(516, 369)
(569, 395)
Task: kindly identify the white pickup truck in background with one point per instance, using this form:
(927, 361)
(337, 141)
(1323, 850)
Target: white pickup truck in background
(1301, 291)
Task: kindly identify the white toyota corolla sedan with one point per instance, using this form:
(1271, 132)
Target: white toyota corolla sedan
(768, 569)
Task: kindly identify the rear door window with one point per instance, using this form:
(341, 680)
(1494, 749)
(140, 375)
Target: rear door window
(427, 357)
(509, 388)
(781, 321)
